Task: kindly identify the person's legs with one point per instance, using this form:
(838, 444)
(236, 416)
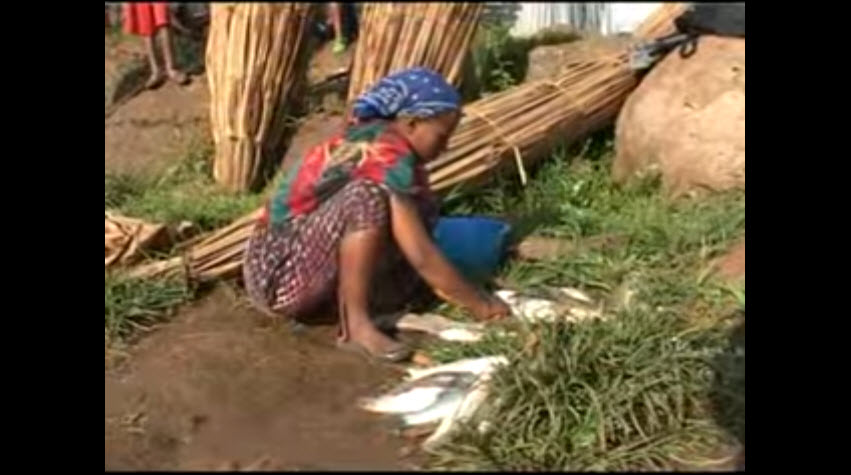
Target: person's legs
(167, 46)
(157, 76)
(336, 12)
(139, 19)
(158, 19)
(359, 251)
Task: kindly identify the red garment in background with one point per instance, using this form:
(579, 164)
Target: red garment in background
(144, 19)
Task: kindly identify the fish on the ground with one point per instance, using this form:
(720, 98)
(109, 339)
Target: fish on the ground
(534, 309)
(462, 414)
(418, 394)
(447, 403)
(441, 327)
(475, 366)
(529, 308)
(576, 294)
(449, 394)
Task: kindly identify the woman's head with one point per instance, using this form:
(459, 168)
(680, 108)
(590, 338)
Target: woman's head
(425, 108)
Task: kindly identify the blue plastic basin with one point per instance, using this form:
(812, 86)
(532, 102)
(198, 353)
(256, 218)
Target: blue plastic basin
(474, 245)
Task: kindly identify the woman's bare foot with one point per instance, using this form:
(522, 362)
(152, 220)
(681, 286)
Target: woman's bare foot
(358, 253)
(373, 340)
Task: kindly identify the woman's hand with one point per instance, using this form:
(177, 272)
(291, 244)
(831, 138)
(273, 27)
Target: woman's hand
(491, 308)
(424, 256)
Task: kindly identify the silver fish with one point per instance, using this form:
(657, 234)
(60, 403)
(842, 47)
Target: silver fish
(464, 335)
(445, 405)
(529, 308)
(576, 294)
(462, 414)
(419, 394)
(441, 327)
(538, 309)
(475, 366)
(450, 393)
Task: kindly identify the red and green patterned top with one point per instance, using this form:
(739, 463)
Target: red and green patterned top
(370, 151)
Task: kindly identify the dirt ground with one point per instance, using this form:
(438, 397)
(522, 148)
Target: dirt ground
(220, 387)
(152, 130)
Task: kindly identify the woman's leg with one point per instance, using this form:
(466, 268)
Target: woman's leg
(359, 252)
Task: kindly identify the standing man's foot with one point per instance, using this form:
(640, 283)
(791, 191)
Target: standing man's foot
(339, 46)
(178, 77)
(156, 80)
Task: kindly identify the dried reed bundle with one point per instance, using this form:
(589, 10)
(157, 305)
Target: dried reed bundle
(518, 126)
(255, 60)
(127, 239)
(395, 36)
(661, 21)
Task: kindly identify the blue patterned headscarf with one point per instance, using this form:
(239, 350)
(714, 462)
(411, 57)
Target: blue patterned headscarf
(417, 92)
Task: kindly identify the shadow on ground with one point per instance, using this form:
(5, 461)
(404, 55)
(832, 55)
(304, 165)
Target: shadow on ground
(729, 390)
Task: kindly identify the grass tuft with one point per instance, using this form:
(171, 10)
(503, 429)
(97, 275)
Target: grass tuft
(134, 304)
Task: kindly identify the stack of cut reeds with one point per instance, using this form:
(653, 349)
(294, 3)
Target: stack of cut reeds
(212, 256)
(517, 126)
(395, 36)
(126, 239)
(256, 57)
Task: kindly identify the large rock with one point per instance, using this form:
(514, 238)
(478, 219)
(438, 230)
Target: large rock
(687, 120)
(548, 62)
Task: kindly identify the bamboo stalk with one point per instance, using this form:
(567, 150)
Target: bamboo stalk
(395, 36)
(255, 62)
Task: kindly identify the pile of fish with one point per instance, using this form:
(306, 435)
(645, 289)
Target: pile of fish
(441, 327)
(567, 303)
(448, 394)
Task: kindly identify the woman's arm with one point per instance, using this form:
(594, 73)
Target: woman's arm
(425, 257)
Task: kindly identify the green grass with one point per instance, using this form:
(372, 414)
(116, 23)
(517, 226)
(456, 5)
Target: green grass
(659, 383)
(185, 192)
(499, 61)
(134, 304)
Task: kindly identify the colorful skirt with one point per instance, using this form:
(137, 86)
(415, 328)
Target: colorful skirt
(293, 270)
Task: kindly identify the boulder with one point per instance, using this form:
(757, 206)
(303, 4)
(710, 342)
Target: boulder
(686, 120)
(548, 62)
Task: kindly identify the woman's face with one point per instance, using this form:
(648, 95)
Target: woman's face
(429, 137)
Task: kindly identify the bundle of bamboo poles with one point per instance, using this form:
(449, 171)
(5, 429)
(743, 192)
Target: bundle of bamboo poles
(127, 239)
(517, 126)
(395, 36)
(255, 59)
